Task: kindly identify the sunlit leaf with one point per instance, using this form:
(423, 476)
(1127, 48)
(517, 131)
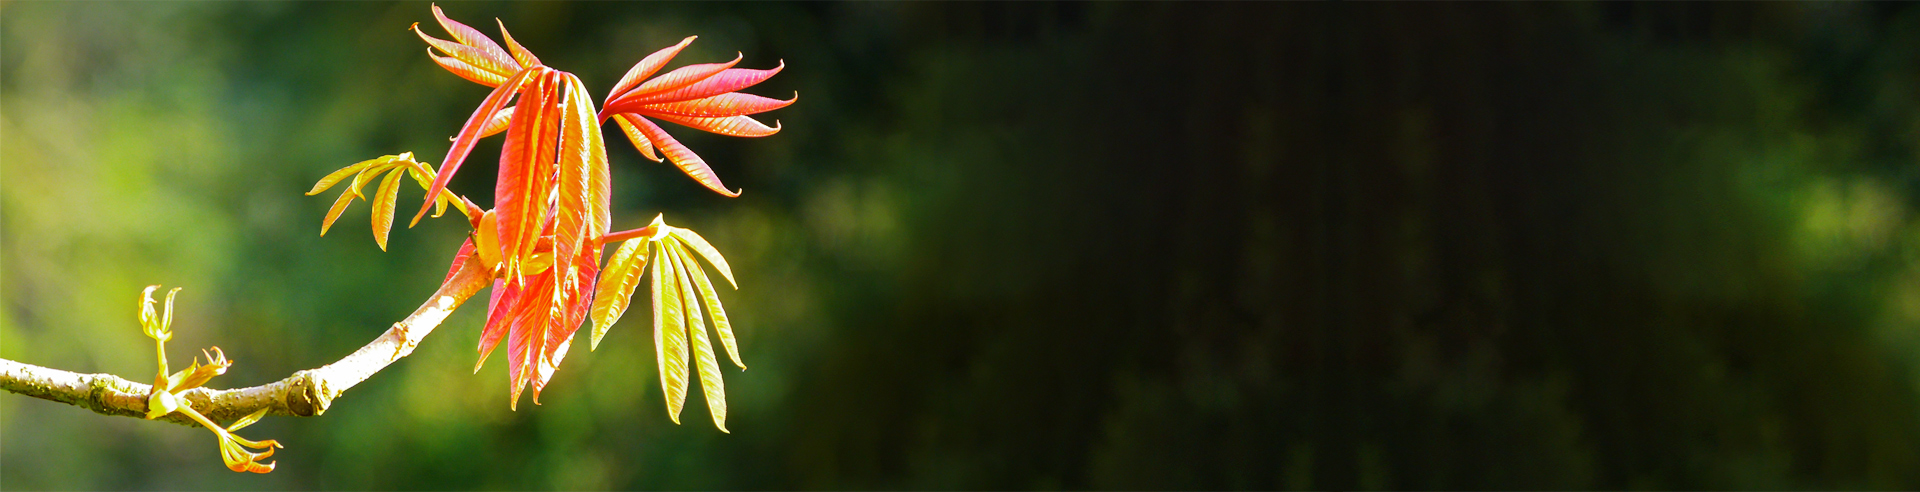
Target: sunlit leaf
(719, 314)
(736, 126)
(383, 203)
(617, 281)
(725, 81)
(700, 245)
(723, 105)
(647, 67)
(682, 157)
(703, 358)
(669, 335)
(640, 140)
(469, 134)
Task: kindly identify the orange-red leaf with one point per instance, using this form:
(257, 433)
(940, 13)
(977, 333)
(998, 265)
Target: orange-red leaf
(647, 67)
(680, 77)
(639, 140)
(504, 299)
(723, 105)
(467, 71)
(738, 126)
(526, 172)
(476, 57)
(520, 54)
(469, 133)
(684, 158)
(497, 124)
(471, 37)
(728, 80)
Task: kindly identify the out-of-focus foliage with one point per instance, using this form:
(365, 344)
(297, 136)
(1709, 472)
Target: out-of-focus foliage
(1140, 245)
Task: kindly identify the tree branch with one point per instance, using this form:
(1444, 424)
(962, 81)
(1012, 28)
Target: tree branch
(304, 394)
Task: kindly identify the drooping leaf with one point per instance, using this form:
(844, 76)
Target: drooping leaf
(617, 282)
(527, 336)
(700, 245)
(346, 198)
(383, 203)
(682, 157)
(711, 299)
(633, 134)
(735, 126)
(669, 335)
(709, 368)
(499, 309)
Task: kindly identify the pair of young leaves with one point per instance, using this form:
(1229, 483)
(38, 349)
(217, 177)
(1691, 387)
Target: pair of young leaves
(542, 242)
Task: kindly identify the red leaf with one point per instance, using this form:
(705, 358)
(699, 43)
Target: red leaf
(728, 80)
(470, 133)
(685, 159)
(647, 67)
(729, 104)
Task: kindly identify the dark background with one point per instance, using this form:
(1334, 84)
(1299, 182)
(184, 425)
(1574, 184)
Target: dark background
(1028, 246)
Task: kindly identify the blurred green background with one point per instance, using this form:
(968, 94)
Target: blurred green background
(1027, 246)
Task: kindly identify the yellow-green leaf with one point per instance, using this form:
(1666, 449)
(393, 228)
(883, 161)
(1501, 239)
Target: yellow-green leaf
(669, 337)
(719, 314)
(710, 384)
(699, 245)
(247, 420)
(331, 179)
(383, 207)
(340, 204)
(615, 292)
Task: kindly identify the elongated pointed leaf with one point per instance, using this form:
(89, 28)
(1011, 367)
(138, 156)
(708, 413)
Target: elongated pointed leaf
(467, 71)
(520, 54)
(572, 212)
(383, 206)
(669, 335)
(500, 307)
(710, 383)
(729, 104)
(459, 260)
(726, 81)
(646, 68)
(337, 176)
(475, 57)
(469, 134)
(700, 245)
(526, 173)
(471, 37)
(719, 314)
(682, 157)
(737, 126)
(497, 124)
(346, 198)
(639, 140)
(617, 282)
(679, 77)
(527, 338)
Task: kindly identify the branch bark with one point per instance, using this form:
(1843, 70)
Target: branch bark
(306, 393)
